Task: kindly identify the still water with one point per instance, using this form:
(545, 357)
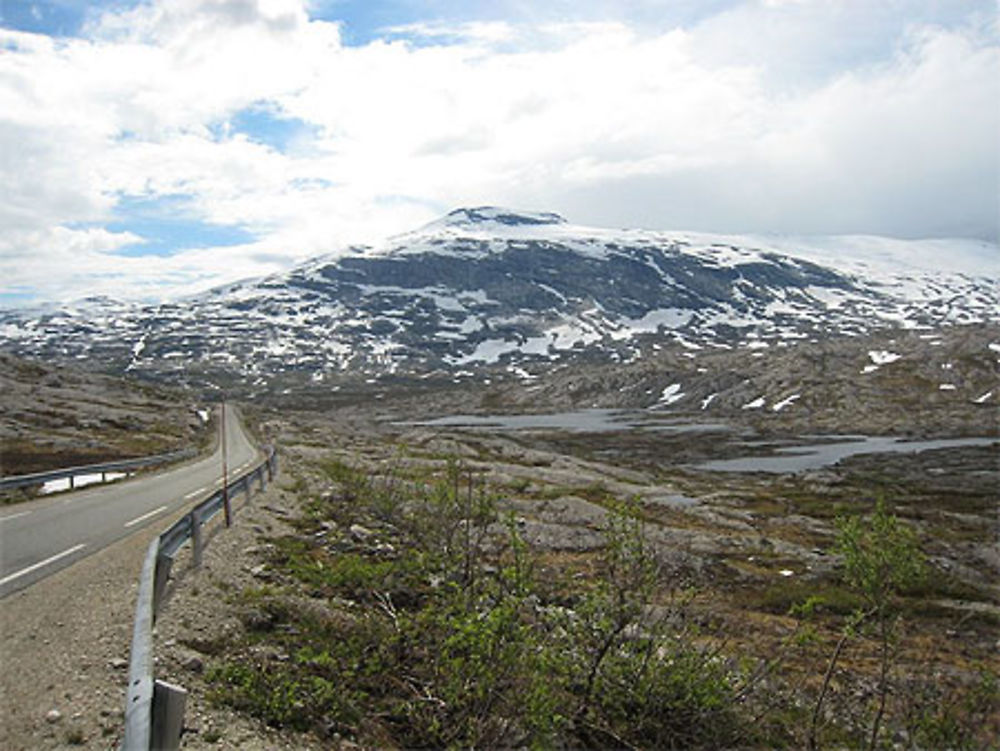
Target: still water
(580, 421)
(815, 456)
(824, 451)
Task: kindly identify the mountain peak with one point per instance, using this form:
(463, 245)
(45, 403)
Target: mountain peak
(493, 214)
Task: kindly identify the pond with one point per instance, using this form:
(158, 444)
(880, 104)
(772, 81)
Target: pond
(808, 456)
(815, 452)
(582, 421)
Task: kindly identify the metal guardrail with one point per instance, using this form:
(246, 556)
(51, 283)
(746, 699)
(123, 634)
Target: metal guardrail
(154, 710)
(38, 478)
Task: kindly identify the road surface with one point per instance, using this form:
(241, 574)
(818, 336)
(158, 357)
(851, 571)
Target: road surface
(43, 536)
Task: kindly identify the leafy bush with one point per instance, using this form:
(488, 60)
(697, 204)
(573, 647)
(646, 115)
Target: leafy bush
(881, 559)
(452, 644)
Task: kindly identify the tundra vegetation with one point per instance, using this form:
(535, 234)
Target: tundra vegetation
(408, 610)
(57, 415)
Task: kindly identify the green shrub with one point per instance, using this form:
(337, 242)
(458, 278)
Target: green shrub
(881, 559)
(639, 681)
(782, 596)
(281, 696)
(452, 645)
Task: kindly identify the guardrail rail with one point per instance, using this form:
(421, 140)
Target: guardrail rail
(154, 710)
(40, 478)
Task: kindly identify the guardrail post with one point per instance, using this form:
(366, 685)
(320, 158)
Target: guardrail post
(163, 564)
(71, 473)
(139, 696)
(196, 543)
(154, 710)
(168, 716)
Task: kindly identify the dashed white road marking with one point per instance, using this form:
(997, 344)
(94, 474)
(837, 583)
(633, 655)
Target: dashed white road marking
(143, 518)
(46, 562)
(13, 516)
(193, 493)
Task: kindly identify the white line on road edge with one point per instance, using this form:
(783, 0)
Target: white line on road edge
(14, 516)
(47, 561)
(143, 518)
(193, 493)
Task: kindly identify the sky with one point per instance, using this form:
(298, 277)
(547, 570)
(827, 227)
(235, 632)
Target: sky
(158, 148)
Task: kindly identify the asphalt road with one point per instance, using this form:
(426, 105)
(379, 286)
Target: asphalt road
(43, 536)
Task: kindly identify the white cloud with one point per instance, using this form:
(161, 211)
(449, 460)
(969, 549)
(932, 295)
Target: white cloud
(763, 116)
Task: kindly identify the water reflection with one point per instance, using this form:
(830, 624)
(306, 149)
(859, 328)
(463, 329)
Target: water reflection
(815, 453)
(579, 421)
(804, 457)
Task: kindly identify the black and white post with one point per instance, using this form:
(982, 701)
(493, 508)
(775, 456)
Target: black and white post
(225, 471)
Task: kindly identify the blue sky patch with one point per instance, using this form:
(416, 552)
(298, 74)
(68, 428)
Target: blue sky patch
(59, 18)
(261, 124)
(17, 296)
(168, 227)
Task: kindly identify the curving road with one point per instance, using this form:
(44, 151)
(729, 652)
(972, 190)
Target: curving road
(43, 536)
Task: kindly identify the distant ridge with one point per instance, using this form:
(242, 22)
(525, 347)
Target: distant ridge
(511, 291)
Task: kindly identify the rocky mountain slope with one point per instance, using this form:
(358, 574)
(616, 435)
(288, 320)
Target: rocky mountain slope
(57, 415)
(489, 290)
(926, 382)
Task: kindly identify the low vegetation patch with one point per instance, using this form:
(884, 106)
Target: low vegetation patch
(408, 612)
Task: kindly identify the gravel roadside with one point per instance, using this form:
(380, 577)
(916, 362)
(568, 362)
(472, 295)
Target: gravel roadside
(64, 646)
(64, 641)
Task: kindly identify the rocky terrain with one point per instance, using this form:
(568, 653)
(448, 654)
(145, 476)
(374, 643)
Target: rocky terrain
(54, 415)
(930, 382)
(489, 293)
(746, 548)
(410, 515)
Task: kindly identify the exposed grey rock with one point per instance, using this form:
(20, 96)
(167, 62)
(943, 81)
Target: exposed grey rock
(560, 536)
(485, 286)
(360, 533)
(194, 663)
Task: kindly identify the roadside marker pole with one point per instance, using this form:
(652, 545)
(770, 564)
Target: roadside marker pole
(225, 471)
(196, 543)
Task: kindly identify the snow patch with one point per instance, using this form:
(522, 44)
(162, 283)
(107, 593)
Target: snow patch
(785, 402)
(671, 394)
(521, 373)
(883, 357)
(488, 351)
(651, 322)
(79, 481)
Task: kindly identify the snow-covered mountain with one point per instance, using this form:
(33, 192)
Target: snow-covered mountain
(508, 290)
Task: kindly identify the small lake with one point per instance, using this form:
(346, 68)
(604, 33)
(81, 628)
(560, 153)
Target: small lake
(581, 421)
(804, 457)
(815, 453)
